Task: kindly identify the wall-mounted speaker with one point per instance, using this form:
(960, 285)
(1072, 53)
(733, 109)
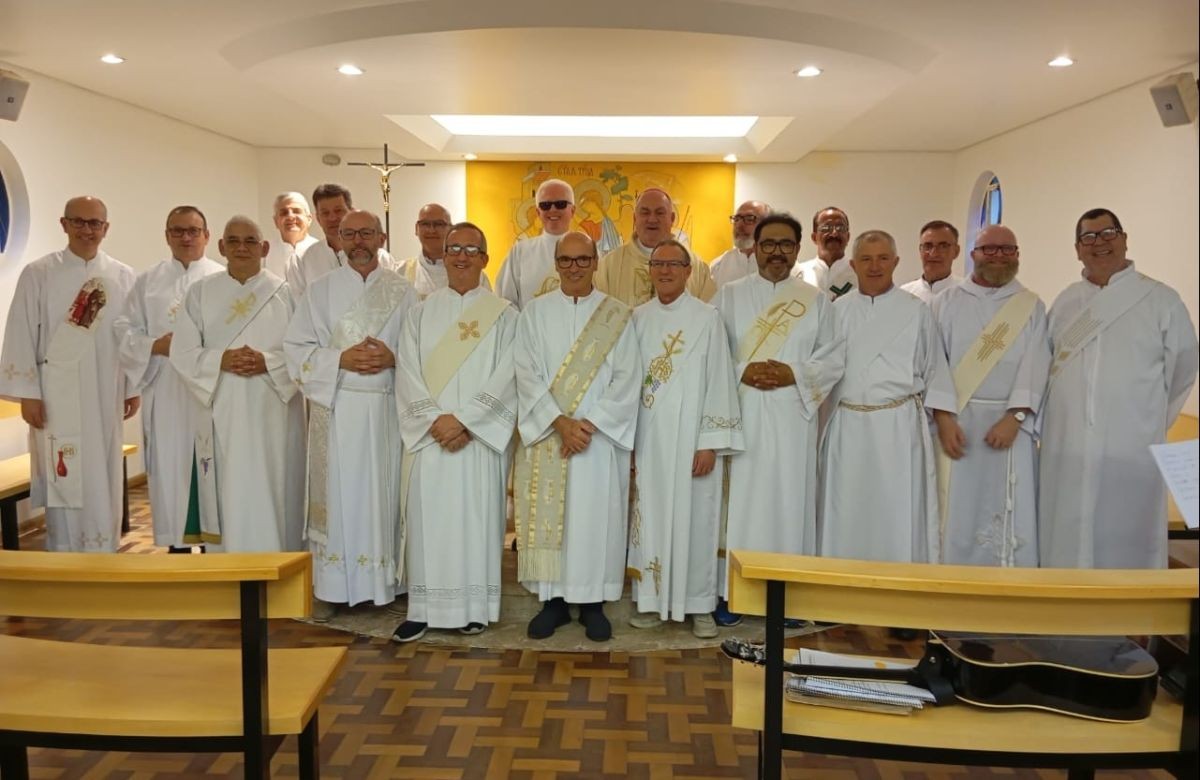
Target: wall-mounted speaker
(1175, 97)
(12, 95)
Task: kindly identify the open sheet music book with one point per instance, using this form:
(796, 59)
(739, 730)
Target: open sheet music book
(873, 695)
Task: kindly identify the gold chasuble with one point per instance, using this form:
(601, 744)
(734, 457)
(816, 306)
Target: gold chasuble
(540, 510)
(624, 274)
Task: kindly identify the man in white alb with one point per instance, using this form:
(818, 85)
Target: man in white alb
(576, 359)
(739, 261)
(938, 248)
(427, 271)
(689, 418)
(993, 332)
(341, 348)
(228, 348)
(458, 399)
(60, 363)
(169, 411)
(1124, 363)
(289, 257)
(830, 270)
(528, 270)
(787, 356)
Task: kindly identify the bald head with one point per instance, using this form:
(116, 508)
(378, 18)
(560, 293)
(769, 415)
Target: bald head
(85, 221)
(575, 244)
(94, 206)
(653, 217)
(744, 219)
(995, 234)
(996, 256)
(433, 222)
(575, 260)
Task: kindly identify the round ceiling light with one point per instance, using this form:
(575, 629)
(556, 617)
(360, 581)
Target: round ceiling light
(1061, 61)
(112, 59)
(808, 72)
(350, 69)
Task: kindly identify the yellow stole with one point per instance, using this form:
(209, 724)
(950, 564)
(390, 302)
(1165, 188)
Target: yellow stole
(767, 336)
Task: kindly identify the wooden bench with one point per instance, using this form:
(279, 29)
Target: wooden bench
(76, 695)
(965, 598)
(14, 486)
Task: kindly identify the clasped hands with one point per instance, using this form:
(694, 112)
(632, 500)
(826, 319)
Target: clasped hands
(369, 356)
(768, 375)
(449, 433)
(954, 440)
(576, 434)
(244, 361)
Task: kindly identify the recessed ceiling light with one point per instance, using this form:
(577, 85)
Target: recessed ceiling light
(808, 72)
(470, 156)
(112, 59)
(597, 126)
(350, 70)
(1062, 61)
(730, 158)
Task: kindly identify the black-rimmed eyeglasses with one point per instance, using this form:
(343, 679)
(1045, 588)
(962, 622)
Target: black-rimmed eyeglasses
(1091, 237)
(582, 261)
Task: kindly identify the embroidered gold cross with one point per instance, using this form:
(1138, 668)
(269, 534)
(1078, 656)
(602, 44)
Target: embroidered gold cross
(10, 371)
(468, 330)
(993, 341)
(779, 323)
(661, 367)
(655, 568)
(240, 307)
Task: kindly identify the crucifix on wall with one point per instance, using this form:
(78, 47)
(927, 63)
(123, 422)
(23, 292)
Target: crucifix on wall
(385, 170)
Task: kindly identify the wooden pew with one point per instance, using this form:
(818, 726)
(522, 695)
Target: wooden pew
(75, 695)
(14, 486)
(965, 598)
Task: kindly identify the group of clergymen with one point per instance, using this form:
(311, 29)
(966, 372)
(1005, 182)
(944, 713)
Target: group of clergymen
(666, 410)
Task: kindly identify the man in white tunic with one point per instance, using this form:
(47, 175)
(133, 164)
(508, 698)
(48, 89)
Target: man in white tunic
(169, 411)
(938, 248)
(830, 270)
(787, 357)
(993, 332)
(427, 271)
(289, 258)
(528, 270)
(624, 273)
(341, 349)
(576, 359)
(877, 422)
(458, 399)
(739, 261)
(60, 362)
(1124, 363)
(228, 348)
(688, 419)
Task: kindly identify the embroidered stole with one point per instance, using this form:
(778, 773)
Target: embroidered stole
(1105, 309)
(539, 510)
(771, 327)
(365, 317)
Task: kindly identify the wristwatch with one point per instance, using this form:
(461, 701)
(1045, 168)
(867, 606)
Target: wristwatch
(1020, 415)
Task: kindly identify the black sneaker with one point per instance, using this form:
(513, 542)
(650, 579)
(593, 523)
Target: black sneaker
(471, 629)
(595, 625)
(554, 614)
(409, 631)
(904, 634)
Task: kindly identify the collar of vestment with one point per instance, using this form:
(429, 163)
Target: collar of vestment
(300, 245)
(71, 257)
(760, 279)
(261, 270)
(673, 305)
(1124, 273)
(876, 298)
(428, 262)
(642, 249)
(983, 291)
(578, 299)
(474, 292)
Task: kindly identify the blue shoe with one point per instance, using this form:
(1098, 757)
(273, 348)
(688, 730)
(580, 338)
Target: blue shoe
(723, 616)
(792, 624)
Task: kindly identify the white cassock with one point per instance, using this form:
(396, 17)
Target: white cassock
(300, 264)
(878, 466)
(731, 266)
(528, 270)
(255, 454)
(597, 492)
(1102, 501)
(772, 503)
(427, 275)
(689, 403)
(168, 409)
(456, 501)
(353, 515)
(75, 370)
(925, 291)
(834, 280)
(991, 518)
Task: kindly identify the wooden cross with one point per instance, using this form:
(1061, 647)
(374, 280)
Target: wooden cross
(385, 169)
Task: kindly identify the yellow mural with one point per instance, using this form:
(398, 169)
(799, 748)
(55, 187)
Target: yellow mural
(500, 199)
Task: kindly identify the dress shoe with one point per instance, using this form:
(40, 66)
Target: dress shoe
(554, 614)
(595, 625)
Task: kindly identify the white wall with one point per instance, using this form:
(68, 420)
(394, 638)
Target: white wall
(301, 170)
(1112, 152)
(893, 191)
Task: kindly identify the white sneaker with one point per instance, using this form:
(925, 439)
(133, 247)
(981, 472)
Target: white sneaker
(645, 620)
(323, 611)
(704, 627)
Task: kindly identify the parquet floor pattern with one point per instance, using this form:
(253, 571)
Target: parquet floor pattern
(412, 711)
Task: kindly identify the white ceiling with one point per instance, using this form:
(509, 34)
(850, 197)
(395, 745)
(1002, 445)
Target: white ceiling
(915, 75)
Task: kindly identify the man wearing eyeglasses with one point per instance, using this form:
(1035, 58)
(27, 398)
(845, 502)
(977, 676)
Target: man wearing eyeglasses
(688, 421)
(457, 391)
(938, 248)
(1125, 359)
(576, 359)
(169, 411)
(739, 261)
(341, 348)
(787, 357)
(528, 269)
(248, 473)
(62, 366)
(289, 257)
(830, 270)
(624, 273)
(427, 271)
(993, 333)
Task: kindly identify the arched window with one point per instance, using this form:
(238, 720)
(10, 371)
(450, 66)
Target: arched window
(993, 204)
(5, 214)
(14, 211)
(985, 208)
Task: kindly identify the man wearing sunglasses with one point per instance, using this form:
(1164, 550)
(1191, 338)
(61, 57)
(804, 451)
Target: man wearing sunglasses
(1125, 360)
(739, 261)
(830, 270)
(62, 366)
(528, 269)
(145, 328)
(624, 273)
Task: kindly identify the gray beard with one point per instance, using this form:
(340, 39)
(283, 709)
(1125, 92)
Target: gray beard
(743, 244)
